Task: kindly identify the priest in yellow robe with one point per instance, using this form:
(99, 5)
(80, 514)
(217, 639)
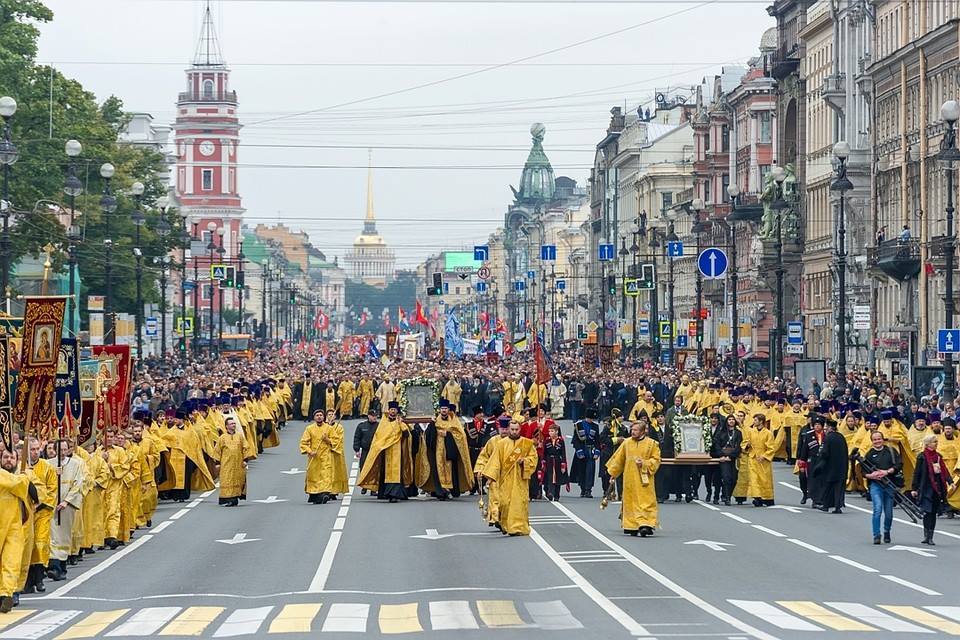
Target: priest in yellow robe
(14, 501)
(365, 389)
(511, 465)
(388, 469)
(762, 449)
(44, 478)
(118, 466)
(443, 457)
(233, 452)
(98, 475)
(322, 443)
(346, 393)
(493, 503)
(637, 459)
(451, 392)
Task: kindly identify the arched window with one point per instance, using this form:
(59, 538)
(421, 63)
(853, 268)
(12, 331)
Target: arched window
(207, 90)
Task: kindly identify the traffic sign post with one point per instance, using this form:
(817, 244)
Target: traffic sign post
(481, 287)
(948, 340)
(483, 273)
(561, 285)
(548, 252)
(643, 327)
(606, 253)
(531, 275)
(682, 342)
(218, 271)
(665, 330)
(631, 287)
(481, 252)
(151, 326)
(712, 262)
(519, 285)
(795, 332)
(675, 249)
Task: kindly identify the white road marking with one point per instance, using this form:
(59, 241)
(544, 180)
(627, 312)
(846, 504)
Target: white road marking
(605, 604)
(345, 500)
(911, 585)
(239, 538)
(243, 622)
(145, 622)
(346, 617)
(760, 527)
(949, 612)
(452, 614)
(194, 503)
(98, 569)
(734, 516)
(326, 563)
(586, 560)
(854, 563)
(180, 514)
(338, 524)
(40, 625)
(876, 617)
(207, 494)
(806, 545)
(552, 615)
(160, 527)
(775, 616)
(343, 511)
(707, 505)
(689, 596)
(914, 550)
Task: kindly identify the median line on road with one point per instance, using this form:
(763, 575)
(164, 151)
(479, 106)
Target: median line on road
(322, 574)
(666, 582)
(98, 569)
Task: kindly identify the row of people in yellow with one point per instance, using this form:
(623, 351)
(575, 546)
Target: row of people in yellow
(61, 502)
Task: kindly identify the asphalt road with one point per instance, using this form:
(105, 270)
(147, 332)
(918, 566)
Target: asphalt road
(278, 566)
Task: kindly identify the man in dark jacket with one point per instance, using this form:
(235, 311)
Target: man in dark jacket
(725, 446)
(831, 469)
(585, 441)
(363, 436)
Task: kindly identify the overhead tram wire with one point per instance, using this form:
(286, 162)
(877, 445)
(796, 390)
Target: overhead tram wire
(489, 68)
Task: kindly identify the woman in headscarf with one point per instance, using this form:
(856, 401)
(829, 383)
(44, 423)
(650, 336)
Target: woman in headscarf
(931, 480)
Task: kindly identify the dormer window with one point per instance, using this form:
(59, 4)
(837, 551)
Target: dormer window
(207, 93)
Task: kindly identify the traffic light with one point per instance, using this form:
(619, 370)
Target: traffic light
(437, 288)
(240, 280)
(612, 285)
(647, 279)
(227, 282)
(293, 296)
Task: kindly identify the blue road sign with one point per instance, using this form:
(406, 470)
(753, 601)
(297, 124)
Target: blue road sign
(519, 285)
(481, 287)
(607, 253)
(675, 249)
(481, 252)
(561, 285)
(948, 340)
(643, 327)
(188, 285)
(712, 262)
(665, 356)
(531, 275)
(548, 252)
(682, 341)
(151, 326)
(795, 332)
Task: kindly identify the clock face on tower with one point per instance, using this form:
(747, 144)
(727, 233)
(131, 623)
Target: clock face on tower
(207, 148)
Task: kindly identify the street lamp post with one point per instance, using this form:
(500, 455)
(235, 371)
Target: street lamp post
(734, 192)
(948, 157)
(72, 187)
(653, 243)
(163, 230)
(136, 190)
(697, 228)
(108, 204)
(211, 247)
(240, 283)
(264, 270)
(220, 252)
(841, 184)
(196, 291)
(638, 228)
(624, 252)
(8, 156)
(779, 205)
(671, 237)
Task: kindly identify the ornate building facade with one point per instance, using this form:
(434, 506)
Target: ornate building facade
(370, 260)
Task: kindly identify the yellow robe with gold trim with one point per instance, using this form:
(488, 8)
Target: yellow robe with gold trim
(445, 469)
(390, 449)
(13, 500)
(763, 447)
(639, 507)
(46, 480)
(326, 464)
(510, 466)
(232, 451)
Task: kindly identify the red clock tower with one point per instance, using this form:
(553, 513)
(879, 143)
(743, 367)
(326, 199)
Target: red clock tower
(206, 135)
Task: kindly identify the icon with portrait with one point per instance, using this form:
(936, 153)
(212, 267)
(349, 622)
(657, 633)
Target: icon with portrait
(41, 350)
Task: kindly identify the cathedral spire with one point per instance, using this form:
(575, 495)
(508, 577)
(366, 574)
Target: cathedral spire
(208, 46)
(370, 222)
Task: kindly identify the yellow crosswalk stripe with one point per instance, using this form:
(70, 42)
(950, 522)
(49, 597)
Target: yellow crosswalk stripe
(295, 618)
(92, 624)
(14, 616)
(399, 618)
(822, 615)
(916, 614)
(499, 613)
(192, 621)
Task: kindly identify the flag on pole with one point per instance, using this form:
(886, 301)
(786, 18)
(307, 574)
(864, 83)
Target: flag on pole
(402, 316)
(453, 341)
(541, 360)
(420, 318)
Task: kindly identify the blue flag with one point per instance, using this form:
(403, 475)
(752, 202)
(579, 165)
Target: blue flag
(453, 341)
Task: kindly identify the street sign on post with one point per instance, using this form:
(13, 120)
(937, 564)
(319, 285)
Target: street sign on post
(519, 285)
(948, 340)
(682, 341)
(643, 327)
(481, 287)
(795, 332)
(531, 274)
(561, 285)
(665, 330)
(631, 287)
(712, 262)
(483, 273)
(151, 326)
(675, 249)
(548, 252)
(606, 253)
(185, 326)
(861, 316)
(692, 328)
(481, 252)
(218, 271)
(794, 349)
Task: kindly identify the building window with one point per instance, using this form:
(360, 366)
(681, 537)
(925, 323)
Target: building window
(667, 201)
(208, 292)
(207, 179)
(706, 141)
(725, 197)
(725, 138)
(207, 90)
(766, 123)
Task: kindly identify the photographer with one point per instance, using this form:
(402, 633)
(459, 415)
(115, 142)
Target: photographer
(885, 464)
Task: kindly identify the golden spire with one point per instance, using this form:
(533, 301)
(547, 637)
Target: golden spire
(370, 217)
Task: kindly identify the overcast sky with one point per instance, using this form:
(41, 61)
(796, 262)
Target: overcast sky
(457, 145)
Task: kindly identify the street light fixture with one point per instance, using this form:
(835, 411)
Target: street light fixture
(136, 190)
(948, 156)
(671, 237)
(698, 228)
(220, 252)
(72, 188)
(211, 247)
(841, 184)
(779, 205)
(163, 230)
(8, 156)
(109, 205)
(734, 192)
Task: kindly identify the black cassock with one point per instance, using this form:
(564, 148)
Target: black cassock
(453, 456)
(808, 452)
(553, 467)
(831, 470)
(665, 480)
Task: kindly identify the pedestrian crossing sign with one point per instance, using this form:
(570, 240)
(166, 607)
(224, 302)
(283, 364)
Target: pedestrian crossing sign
(218, 272)
(665, 331)
(185, 326)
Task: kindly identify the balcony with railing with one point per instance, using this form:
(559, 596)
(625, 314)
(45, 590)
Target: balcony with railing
(897, 259)
(189, 96)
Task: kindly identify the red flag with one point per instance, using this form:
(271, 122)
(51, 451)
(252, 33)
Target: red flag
(420, 318)
(500, 327)
(507, 348)
(542, 362)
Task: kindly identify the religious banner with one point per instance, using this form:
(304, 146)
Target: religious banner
(42, 327)
(67, 387)
(6, 426)
(114, 364)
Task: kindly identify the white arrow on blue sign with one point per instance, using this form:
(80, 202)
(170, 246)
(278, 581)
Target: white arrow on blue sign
(561, 285)
(712, 262)
(481, 252)
(548, 252)
(948, 340)
(519, 285)
(606, 253)
(531, 275)
(481, 287)
(682, 341)
(675, 249)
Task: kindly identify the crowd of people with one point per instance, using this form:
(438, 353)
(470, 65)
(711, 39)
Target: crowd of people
(496, 434)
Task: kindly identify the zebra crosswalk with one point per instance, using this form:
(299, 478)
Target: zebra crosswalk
(805, 615)
(335, 617)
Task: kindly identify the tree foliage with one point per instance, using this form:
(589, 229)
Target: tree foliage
(40, 129)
